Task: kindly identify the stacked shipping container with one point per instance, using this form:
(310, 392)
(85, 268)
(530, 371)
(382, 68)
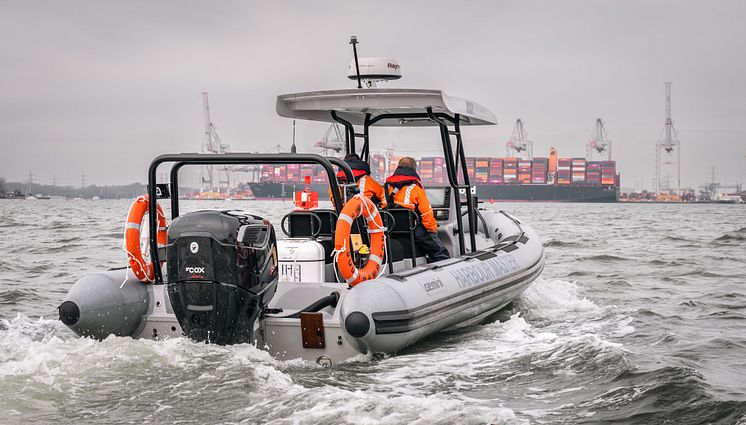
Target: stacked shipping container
(425, 167)
(578, 170)
(279, 173)
(524, 171)
(471, 167)
(482, 170)
(510, 172)
(293, 173)
(439, 170)
(608, 173)
(496, 171)
(539, 167)
(593, 173)
(563, 171)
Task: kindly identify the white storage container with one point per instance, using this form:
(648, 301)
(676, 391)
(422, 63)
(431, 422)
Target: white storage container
(300, 260)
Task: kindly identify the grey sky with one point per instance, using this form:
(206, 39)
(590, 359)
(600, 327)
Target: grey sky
(103, 87)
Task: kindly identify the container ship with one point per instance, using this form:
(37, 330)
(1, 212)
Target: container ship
(551, 179)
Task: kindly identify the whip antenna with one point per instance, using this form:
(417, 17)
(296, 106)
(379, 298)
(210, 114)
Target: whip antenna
(292, 147)
(353, 41)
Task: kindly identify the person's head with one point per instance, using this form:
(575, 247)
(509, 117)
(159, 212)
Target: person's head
(352, 157)
(408, 161)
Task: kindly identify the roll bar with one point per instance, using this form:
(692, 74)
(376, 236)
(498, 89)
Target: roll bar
(452, 161)
(182, 159)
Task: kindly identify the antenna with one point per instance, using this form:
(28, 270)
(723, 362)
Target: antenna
(353, 41)
(292, 147)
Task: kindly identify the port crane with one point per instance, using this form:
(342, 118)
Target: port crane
(712, 189)
(213, 144)
(667, 146)
(332, 140)
(519, 145)
(254, 170)
(599, 142)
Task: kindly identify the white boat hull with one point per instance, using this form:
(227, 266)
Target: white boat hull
(382, 315)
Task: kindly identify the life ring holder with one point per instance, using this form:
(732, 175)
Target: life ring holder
(355, 207)
(141, 268)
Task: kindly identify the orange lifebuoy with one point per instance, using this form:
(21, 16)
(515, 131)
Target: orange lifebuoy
(142, 269)
(358, 206)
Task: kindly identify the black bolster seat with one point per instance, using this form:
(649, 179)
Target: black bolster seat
(401, 236)
(302, 224)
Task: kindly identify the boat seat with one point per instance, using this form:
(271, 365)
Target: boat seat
(302, 224)
(401, 249)
(401, 241)
(394, 250)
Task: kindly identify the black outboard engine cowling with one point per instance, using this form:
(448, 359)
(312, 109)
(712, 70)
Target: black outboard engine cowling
(222, 273)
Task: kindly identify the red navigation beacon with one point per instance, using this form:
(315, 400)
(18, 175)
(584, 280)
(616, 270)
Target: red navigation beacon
(306, 199)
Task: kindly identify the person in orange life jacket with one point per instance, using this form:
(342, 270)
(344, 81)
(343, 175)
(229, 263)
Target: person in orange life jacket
(405, 189)
(361, 171)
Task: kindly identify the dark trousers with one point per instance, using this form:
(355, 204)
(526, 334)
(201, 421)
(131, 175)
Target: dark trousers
(431, 244)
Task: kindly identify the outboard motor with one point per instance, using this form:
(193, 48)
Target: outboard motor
(222, 273)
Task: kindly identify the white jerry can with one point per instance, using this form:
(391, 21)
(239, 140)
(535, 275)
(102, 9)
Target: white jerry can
(300, 260)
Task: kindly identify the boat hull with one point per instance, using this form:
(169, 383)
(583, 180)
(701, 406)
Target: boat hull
(485, 192)
(381, 315)
(387, 314)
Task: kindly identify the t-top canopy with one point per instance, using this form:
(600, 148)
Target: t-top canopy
(353, 104)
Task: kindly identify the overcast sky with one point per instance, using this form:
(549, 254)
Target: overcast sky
(103, 87)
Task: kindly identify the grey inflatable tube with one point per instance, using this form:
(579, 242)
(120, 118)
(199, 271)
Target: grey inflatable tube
(103, 304)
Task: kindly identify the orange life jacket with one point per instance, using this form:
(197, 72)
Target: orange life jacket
(405, 189)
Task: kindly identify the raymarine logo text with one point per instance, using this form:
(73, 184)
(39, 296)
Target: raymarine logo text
(196, 270)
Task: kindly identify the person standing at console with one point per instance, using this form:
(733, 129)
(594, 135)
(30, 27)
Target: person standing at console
(404, 189)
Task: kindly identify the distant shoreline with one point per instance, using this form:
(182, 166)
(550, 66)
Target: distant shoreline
(104, 192)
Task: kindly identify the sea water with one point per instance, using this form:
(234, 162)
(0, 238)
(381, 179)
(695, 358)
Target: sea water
(639, 317)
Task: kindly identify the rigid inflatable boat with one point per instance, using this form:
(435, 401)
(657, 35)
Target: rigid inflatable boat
(225, 277)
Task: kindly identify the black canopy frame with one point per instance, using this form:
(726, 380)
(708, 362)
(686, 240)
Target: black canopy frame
(183, 159)
(452, 158)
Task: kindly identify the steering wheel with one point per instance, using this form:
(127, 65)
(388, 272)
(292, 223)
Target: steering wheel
(313, 215)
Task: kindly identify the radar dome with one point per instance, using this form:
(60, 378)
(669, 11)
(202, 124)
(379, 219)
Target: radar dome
(373, 70)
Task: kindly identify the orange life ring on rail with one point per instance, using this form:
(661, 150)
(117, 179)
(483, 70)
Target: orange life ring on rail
(142, 269)
(354, 208)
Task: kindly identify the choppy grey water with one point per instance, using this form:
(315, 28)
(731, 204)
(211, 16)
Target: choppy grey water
(638, 318)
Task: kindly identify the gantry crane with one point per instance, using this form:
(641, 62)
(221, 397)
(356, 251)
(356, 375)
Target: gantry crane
(213, 144)
(599, 142)
(332, 140)
(667, 146)
(518, 145)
